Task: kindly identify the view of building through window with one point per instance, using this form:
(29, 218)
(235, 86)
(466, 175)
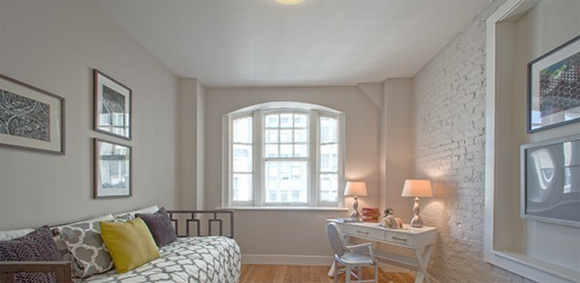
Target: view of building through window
(286, 157)
(297, 155)
(242, 159)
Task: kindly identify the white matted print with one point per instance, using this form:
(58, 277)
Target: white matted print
(554, 87)
(550, 181)
(30, 118)
(112, 166)
(112, 106)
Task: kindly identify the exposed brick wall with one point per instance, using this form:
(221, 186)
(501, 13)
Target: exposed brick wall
(449, 126)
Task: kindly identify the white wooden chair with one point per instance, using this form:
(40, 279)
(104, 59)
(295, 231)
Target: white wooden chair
(352, 257)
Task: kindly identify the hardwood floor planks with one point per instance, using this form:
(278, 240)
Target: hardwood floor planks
(253, 273)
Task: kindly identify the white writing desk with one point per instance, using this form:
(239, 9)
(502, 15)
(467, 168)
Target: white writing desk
(419, 240)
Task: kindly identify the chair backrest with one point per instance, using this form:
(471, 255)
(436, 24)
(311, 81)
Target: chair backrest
(336, 238)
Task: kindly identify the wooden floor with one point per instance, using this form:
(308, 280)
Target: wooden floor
(252, 273)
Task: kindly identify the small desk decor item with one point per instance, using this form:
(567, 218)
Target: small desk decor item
(370, 214)
(30, 118)
(347, 220)
(554, 87)
(550, 180)
(390, 221)
(112, 113)
(112, 169)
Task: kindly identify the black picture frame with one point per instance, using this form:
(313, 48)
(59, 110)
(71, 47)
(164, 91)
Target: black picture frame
(550, 181)
(112, 106)
(31, 118)
(113, 172)
(554, 87)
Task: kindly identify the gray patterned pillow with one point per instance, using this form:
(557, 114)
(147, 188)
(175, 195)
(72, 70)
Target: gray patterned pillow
(35, 246)
(160, 226)
(90, 256)
(61, 245)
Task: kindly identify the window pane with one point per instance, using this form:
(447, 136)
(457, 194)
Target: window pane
(300, 150)
(286, 120)
(286, 150)
(300, 135)
(242, 158)
(242, 187)
(300, 120)
(271, 150)
(328, 187)
(286, 136)
(328, 130)
(272, 121)
(271, 136)
(242, 130)
(329, 158)
(286, 181)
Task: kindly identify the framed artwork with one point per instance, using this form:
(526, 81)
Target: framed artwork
(550, 179)
(554, 87)
(31, 118)
(112, 113)
(112, 165)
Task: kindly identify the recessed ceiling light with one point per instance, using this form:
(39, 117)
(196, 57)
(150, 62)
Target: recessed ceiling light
(289, 2)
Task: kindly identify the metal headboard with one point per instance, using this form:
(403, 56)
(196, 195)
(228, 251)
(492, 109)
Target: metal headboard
(199, 217)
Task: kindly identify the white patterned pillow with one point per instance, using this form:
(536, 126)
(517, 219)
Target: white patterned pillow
(62, 246)
(13, 234)
(124, 218)
(84, 242)
(130, 215)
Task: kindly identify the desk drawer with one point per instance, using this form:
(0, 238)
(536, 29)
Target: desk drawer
(400, 238)
(364, 232)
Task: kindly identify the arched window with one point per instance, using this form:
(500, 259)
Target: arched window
(283, 154)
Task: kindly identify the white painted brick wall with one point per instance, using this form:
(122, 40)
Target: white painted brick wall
(449, 127)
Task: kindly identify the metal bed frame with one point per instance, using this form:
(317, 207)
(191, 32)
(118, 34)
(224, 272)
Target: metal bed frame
(62, 269)
(198, 217)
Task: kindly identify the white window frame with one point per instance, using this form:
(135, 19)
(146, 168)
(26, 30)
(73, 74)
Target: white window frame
(258, 113)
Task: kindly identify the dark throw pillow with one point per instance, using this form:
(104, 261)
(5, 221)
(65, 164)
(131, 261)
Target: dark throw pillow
(160, 226)
(38, 245)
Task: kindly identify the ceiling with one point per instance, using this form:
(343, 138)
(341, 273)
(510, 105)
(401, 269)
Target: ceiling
(227, 43)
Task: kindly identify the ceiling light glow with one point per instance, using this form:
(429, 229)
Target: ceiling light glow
(289, 2)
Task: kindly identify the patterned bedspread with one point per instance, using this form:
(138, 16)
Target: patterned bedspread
(191, 260)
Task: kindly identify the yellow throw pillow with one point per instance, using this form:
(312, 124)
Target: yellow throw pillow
(129, 243)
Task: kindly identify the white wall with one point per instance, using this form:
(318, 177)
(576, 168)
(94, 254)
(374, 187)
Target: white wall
(397, 137)
(295, 233)
(542, 31)
(55, 46)
(449, 133)
(191, 144)
(449, 116)
(553, 249)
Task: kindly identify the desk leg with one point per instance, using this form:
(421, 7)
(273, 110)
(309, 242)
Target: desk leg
(423, 261)
(331, 270)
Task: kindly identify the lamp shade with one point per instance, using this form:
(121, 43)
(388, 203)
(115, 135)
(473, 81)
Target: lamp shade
(417, 188)
(355, 189)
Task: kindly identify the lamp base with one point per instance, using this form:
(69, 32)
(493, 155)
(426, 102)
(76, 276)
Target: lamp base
(355, 215)
(416, 222)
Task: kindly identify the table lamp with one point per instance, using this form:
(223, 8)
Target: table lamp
(355, 189)
(417, 188)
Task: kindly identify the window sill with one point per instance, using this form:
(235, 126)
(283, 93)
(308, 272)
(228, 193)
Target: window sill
(285, 208)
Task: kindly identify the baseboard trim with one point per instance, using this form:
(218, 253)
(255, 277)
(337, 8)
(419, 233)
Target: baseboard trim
(287, 259)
